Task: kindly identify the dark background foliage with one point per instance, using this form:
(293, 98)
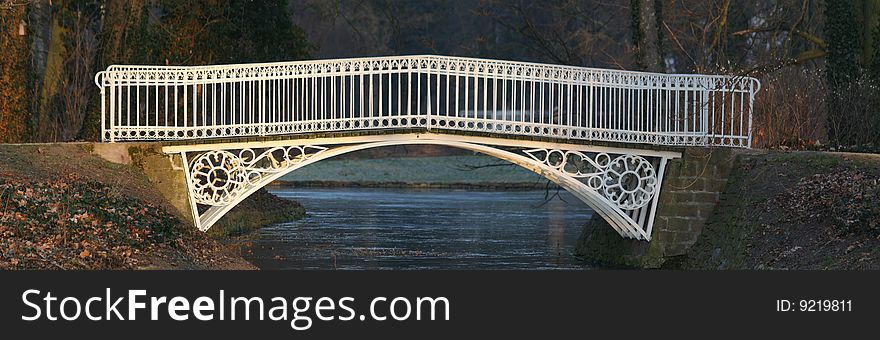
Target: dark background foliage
(818, 59)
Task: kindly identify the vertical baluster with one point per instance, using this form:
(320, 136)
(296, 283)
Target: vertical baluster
(467, 93)
(185, 101)
(147, 104)
(495, 94)
(214, 102)
(204, 87)
(120, 111)
(108, 131)
(752, 90)
(476, 93)
(399, 94)
(533, 98)
(380, 94)
(685, 104)
(723, 111)
(457, 89)
(543, 98)
(504, 82)
(714, 110)
(437, 95)
(428, 90)
(628, 111)
(128, 105)
(223, 98)
(732, 109)
(273, 101)
(663, 110)
(351, 98)
(521, 78)
(448, 80)
(742, 132)
(418, 73)
(485, 94)
(620, 100)
(646, 103)
(590, 109)
(569, 100)
(605, 115)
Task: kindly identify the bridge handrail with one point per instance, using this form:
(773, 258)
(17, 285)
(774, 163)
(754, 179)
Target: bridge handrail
(553, 100)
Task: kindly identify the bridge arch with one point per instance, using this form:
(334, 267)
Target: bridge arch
(619, 185)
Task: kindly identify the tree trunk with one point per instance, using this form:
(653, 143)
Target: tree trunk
(841, 64)
(867, 17)
(646, 35)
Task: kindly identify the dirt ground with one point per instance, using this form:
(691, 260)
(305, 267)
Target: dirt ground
(794, 210)
(63, 208)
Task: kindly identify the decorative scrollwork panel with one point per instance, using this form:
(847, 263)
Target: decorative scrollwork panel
(628, 181)
(218, 178)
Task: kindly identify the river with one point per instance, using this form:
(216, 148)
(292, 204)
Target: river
(379, 228)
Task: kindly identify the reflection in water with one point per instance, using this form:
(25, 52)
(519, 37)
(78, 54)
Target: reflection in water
(556, 233)
(361, 228)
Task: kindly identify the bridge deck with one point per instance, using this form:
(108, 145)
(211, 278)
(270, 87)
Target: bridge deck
(490, 138)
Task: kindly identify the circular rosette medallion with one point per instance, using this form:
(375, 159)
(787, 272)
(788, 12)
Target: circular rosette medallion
(217, 177)
(630, 182)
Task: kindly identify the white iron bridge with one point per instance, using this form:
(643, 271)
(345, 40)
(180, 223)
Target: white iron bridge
(248, 124)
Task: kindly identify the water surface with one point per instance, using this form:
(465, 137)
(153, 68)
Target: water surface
(377, 228)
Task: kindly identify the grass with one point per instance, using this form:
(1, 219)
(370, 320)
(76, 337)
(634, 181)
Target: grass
(812, 158)
(441, 169)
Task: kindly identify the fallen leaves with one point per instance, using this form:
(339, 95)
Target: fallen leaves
(74, 223)
(71, 223)
(833, 214)
(848, 198)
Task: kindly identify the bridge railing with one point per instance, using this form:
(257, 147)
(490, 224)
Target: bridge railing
(426, 92)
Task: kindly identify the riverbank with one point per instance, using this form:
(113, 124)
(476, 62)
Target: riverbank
(794, 210)
(412, 185)
(259, 210)
(63, 207)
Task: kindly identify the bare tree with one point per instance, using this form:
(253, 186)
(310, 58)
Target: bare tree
(76, 80)
(570, 32)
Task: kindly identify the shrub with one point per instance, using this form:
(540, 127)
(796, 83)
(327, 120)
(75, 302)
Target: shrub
(790, 111)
